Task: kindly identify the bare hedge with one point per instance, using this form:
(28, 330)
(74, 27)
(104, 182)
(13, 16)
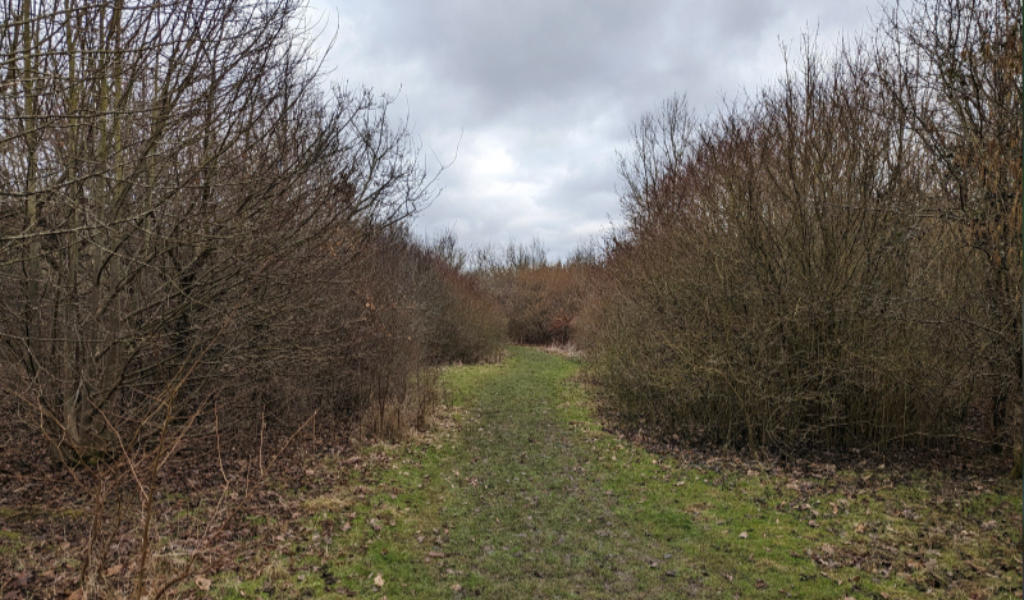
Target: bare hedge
(188, 220)
(805, 270)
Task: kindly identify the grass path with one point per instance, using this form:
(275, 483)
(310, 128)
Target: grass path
(524, 496)
(538, 510)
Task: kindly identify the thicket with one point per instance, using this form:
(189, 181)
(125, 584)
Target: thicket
(189, 222)
(204, 248)
(539, 298)
(836, 262)
(197, 239)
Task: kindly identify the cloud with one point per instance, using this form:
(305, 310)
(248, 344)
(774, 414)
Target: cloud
(541, 92)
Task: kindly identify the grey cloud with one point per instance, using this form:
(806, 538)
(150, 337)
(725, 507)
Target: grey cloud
(542, 91)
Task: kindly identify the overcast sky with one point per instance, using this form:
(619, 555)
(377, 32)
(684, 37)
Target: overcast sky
(542, 92)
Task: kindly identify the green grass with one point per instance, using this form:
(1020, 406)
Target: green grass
(521, 494)
(10, 542)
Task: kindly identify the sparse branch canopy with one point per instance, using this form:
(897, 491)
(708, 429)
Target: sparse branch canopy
(662, 144)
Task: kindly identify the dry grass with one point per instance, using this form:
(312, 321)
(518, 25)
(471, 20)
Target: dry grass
(566, 350)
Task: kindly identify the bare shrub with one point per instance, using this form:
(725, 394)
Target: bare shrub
(174, 185)
(953, 67)
(782, 282)
(184, 207)
(464, 323)
(540, 299)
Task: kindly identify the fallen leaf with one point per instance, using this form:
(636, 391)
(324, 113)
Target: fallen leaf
(743, 535)
(78, 594)
(378, 580)
(456, 587)
(203, 583)
(114, 570)
(346, 527)
(828, 549)
(759, 584)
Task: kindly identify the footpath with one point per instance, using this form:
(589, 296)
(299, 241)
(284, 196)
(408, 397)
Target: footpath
(522, 494)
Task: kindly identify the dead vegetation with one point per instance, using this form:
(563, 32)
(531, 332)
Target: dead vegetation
(97, 532)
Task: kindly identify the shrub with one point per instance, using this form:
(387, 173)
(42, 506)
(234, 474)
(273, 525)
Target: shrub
(540, 300)
(782, 283)
(184, 208)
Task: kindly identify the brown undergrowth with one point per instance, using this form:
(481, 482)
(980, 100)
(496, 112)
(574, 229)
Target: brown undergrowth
(221, 503)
